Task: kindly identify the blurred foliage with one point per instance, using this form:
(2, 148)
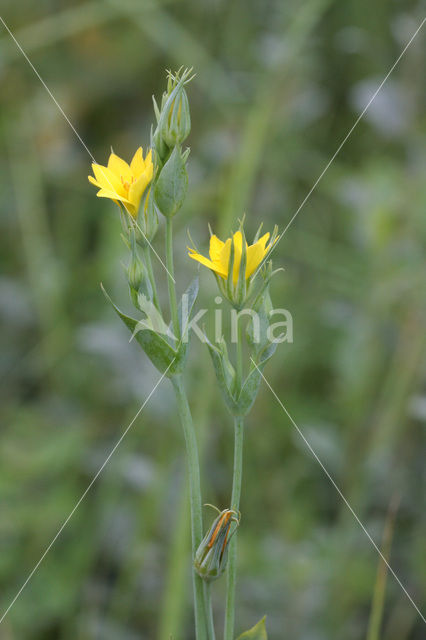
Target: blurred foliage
(278, 87)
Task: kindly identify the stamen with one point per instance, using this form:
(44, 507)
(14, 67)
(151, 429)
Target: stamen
(127, 184)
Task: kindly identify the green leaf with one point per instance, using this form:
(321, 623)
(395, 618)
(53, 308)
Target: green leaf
(225, 373)
(252, 382)
(161, 354)
(172, 184)
(258, 632)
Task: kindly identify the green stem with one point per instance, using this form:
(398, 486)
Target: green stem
(239, 367)
(235, 503)
(174, 603)
(147, 256)
(171, 276)
(195, 499)
(209, 610)
(191, 448)
(174, 606)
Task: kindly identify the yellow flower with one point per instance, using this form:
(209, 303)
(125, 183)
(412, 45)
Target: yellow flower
(220, 254)
(124, 182)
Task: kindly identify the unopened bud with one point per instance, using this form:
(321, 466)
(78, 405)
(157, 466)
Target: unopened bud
(174, 122)
(212, 554)
(147, 223)
(172, 184)
(135, 271)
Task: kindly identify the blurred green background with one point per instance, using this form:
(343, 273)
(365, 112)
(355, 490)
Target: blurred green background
(278, 86)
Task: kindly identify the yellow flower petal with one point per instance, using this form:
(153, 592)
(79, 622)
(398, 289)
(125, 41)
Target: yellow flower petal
(214, 266)
(148, 161)
(220, 253)
(119, 168)
(93, 181)
(122, 182)
(215, 247)
(255, 255)
(137, 188)
(104, 193)
(137, 165)
(226, 252)
(106, 179)
(238, 241)
(264, 239)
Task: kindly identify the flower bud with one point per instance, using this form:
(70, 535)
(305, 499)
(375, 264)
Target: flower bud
(172, 184)
(162, 151)
(136, 268)
(174, 122)
(135, 272)
(212, 554)
(147, 223)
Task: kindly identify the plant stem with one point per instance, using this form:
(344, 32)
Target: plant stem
(174, 605)
(235, 503)
(195, 499)
(147, 255)
(171, 277)
(376, 614)
(209, 610)
(191, 449)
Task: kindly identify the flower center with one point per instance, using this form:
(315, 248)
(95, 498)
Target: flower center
(127, 184)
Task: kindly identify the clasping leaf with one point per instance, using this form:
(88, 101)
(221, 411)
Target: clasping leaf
(258, 632)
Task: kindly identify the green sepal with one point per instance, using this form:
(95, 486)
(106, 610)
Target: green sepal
(258, 632)
(172, 184)
(161, 354)
(258, 232)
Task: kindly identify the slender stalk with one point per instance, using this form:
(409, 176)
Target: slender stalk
(209, 610)
(174, 605)
(235, 504)
(148, 262)
(171, 276)
(376, 614)
(191, 449)
(195, 499)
